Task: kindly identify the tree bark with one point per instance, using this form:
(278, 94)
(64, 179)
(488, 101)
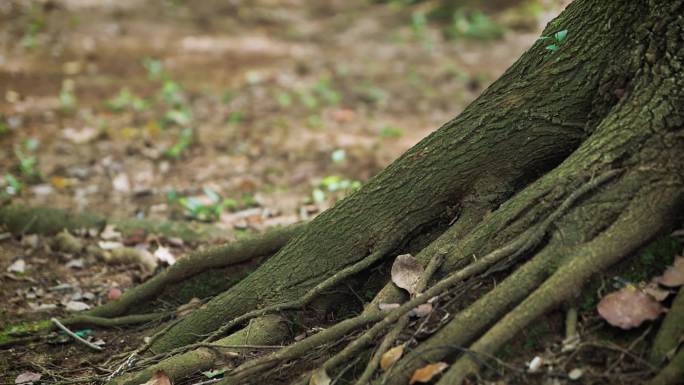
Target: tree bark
(522, 126)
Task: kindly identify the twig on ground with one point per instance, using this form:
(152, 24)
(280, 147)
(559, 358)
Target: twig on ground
(74, 335)
(392, 335)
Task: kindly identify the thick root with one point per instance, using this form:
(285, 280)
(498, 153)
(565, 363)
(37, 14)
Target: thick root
(671, 374)
(670, 332)
(197, 262)
(269, 330)
(621, 239)
(49, 220)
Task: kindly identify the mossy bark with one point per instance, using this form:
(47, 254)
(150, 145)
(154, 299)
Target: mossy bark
(523, 125)
(50, 220)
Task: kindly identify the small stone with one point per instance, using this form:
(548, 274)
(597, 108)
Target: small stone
(575, 374)
(19, 266)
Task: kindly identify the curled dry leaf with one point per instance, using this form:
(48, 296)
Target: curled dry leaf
(163, 254)
(189, 307)
(421, 310)
(428, 371)
(406, 272)
(629, 307)
(159, 378)
(27, 378)
(319, 377)
(673, 275)
(391, 356)
(656, 292)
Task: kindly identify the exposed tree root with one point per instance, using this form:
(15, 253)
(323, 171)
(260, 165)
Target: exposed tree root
(83, 320)
(614, 243)
(49, 220)
(301, 348)
(671, 331)
(671, 374)
(304, 300)
(392, 335)
(267, 330)
(211, 258)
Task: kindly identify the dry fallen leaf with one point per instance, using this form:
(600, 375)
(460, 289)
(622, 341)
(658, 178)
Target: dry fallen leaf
(629, 307)
(27, 378)
(159, 378)
(319, 377)
(428, 371)
(656, 292)
(391, 356)
(673, 275)
(421, 310)
(164, 254)
(189, 307)
(406, 272)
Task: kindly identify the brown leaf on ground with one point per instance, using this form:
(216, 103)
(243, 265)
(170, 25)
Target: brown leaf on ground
(159, 378)
(319, 377)
(391, 356)
(655, 291)
(673, 275)
(629, 307)
(406, 272)
(189, 307)
(27, 378)
(428, 371)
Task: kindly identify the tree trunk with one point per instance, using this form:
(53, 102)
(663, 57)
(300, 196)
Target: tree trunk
(567, 163)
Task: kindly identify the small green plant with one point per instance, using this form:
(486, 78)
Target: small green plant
(181, 116)
(371, 93)
(325, 91)
(184, 141)
(228, 96)
(67, 98)
(334, 187)
(391, 132)
(172, 93)
(418, 23)
(28, 161)
(209, 206)
(473, 25)
(154, 67)
(14, 186)
(4, 127)
(338, 155)
(308, 99)
(284, 99)
(235, 117)
(125, 99)
(35, 23)
(556, 40)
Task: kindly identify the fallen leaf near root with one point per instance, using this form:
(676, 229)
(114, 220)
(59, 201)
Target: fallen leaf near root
(159, 378)
(673, 275)
(427, 372)
(391, 356)
(629, 307)
(406, 272)
(319, 377)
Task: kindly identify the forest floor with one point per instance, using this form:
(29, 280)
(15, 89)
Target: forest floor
(246, 114)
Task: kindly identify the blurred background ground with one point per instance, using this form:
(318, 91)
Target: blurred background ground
(245, 114)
